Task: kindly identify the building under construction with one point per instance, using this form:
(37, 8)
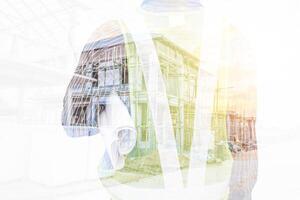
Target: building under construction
(113, 65)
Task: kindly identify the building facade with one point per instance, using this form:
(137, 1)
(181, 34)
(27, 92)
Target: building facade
(113, 65)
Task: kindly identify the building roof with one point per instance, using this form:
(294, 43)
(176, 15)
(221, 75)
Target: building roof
(120, 39)
(107, 42)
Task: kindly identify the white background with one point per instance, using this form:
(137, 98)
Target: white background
(40, 43)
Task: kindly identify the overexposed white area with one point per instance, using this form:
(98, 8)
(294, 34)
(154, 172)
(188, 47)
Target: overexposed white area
(273, 28)
(40, 46)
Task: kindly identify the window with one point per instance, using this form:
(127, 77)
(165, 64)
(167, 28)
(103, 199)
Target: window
(112, 77)
(124, 74)
(95, 76)
(116, 75)
(88, 70)
(101, 76)
(88, 86)
(109, 80)
(109, 77)
(173, 86)
(79, 115)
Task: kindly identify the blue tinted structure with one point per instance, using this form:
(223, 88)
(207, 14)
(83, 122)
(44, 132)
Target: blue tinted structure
(171, 5)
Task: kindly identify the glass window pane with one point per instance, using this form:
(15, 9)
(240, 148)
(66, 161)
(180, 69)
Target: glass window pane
(116, 77)
(109, 79)
(101, 75)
